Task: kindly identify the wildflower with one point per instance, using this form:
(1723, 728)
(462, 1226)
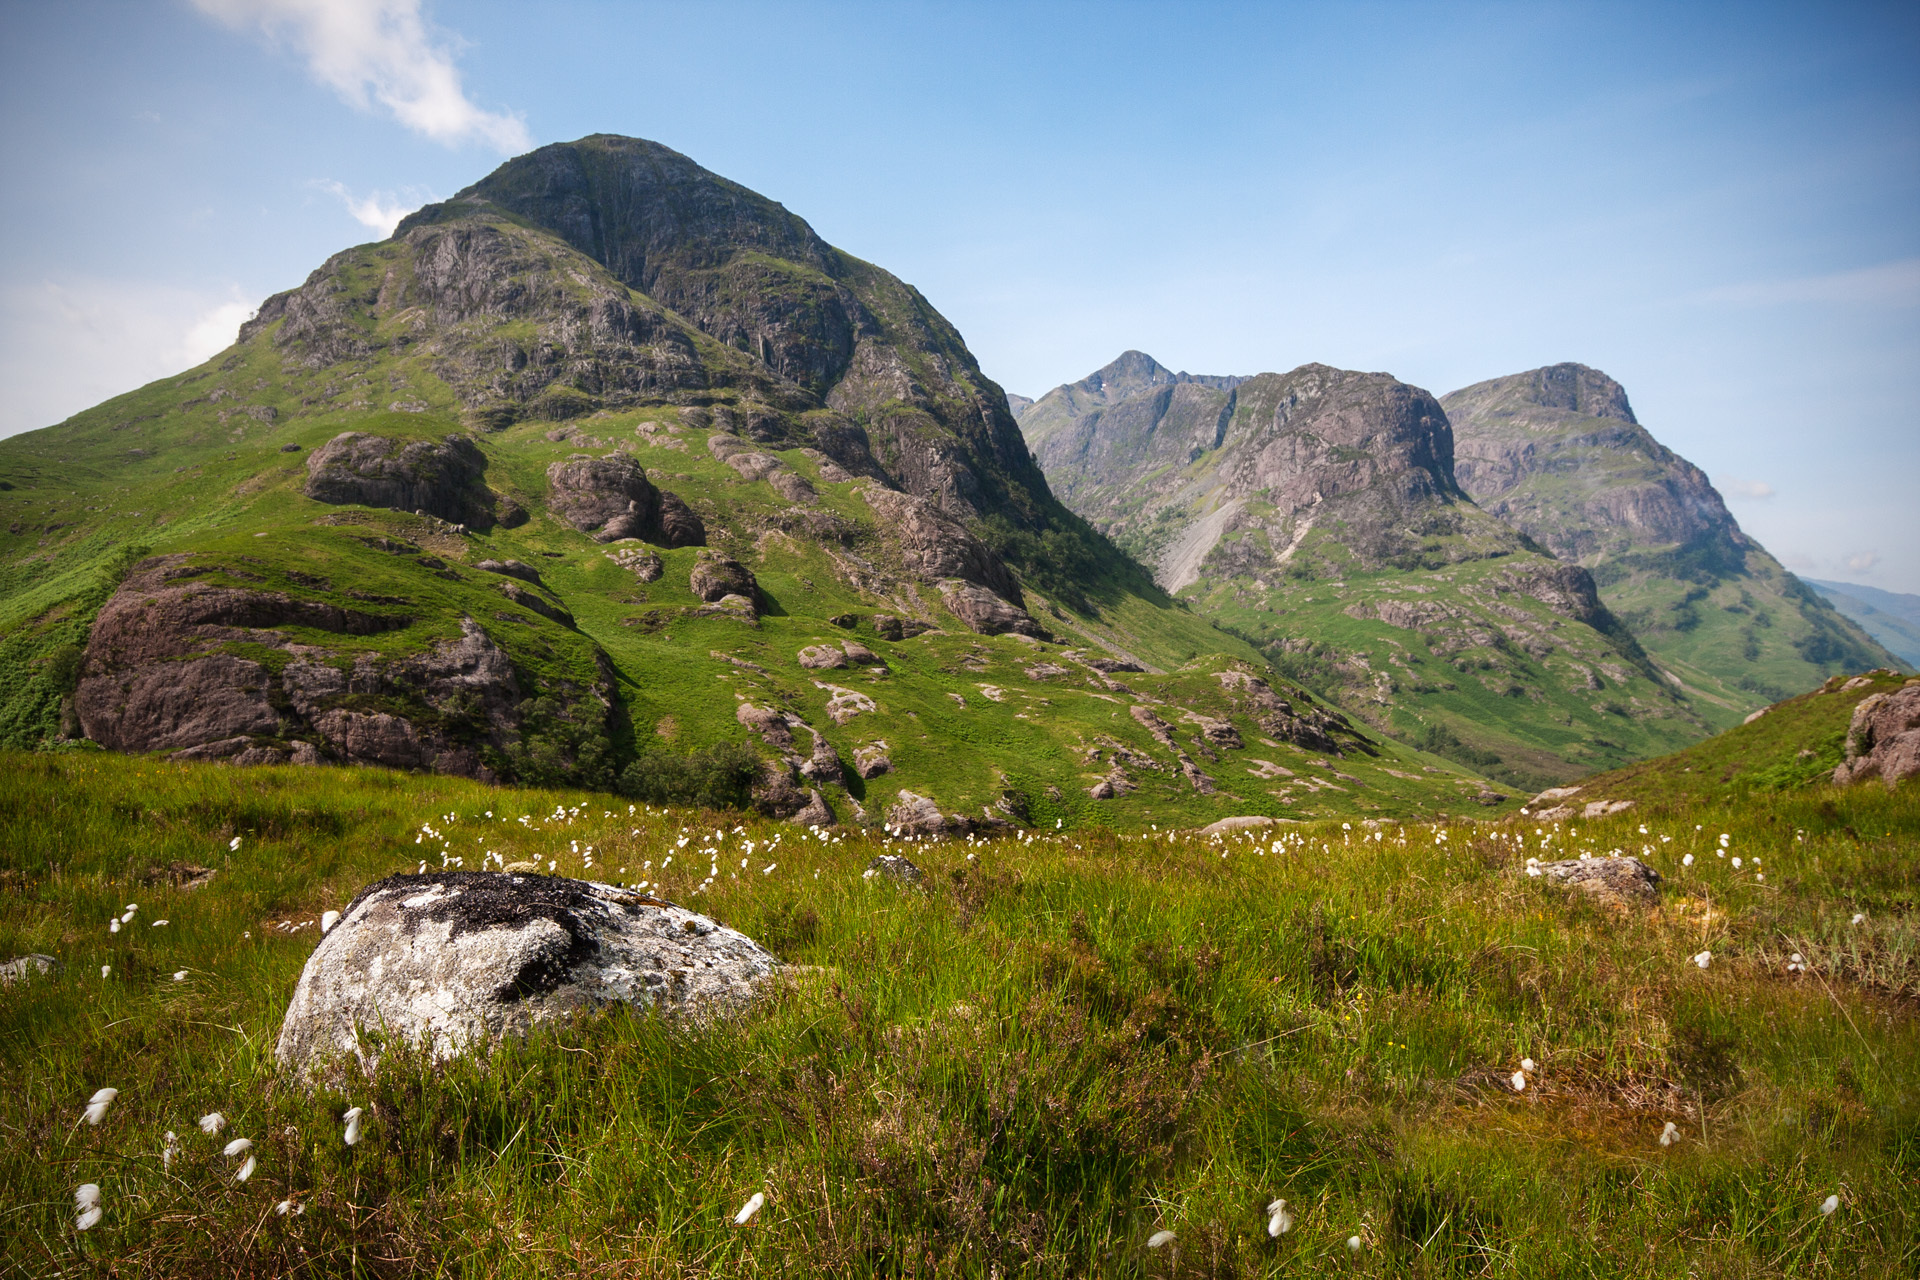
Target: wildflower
(284, 1208)
(1519, 1082)
(169, 1148)
(1704, 959)
(352, 1117)
(329, 919)
(97, 1105)
(239, 1146)
(158, 923)
(113, 925)
(768, 869)
(1828, 1205)
(212, 1122)
(1279, 1221)
(179, 975)
(245, 1171)
(1526, 1064)
(1795, 964)
(1353, 1244)
(1736, 864)
(1687, 861)
(1159, 1238)
(105, 969)
(751, 1207)
(234, 844)
(86, 1204)
(1859, 917)
(1670, 1134)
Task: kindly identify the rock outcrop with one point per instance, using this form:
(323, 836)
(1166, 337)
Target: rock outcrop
(1617, 882)
(611, 498)
(451, 962)
(715, 577)
(1883, 738)
(445, 479)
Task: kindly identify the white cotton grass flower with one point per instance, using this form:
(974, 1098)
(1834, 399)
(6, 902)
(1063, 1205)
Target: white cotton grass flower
(212, 1122)
(169, 1148)
(1353, 1244)
(1704, 959)
(1159, 1238)
(1828, 1205)
(1859, 917)
(234, 843)
(1670, 1134)
(284, 1208)
(238, 1146)
(751, 1207)
(1687, 861)
(328, 919)
(1519, 1082)
(179, 975)
(105, 969)
(1279, 1221)
(245, 1171)
(1526, 1064)
(97, 1105)
(113, 925)
(352, 1117)
(86, 1206)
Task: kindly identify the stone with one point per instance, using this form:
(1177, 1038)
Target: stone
(815, 813)
(450, 962)
(640, 562)
(892, 627)
(985, 612)
(914, 814)
(513, 569)
(872, 760)
(716, 576)
(1604, 808)
(934, 546)
(1101, 790)
(844, 704)
(1614, 881)
(607, 498)
(1041, 671)
(822, 657)
(1240, 822)
(1108, 666)
(860, 655)
(823, 767)
(537, 603)
(1552, 795)
(27, 967)
(1883, 738)
(680, 525)
(774, 727)
(447, 479)
(893, 867)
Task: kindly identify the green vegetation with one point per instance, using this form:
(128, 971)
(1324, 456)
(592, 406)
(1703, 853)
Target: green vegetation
(1072, 1040)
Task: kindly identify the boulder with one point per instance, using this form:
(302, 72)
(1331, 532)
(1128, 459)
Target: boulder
(641, 563)
(892, 866)
(1239, 823)
(24, 968)
(815, 813)
(452, 961)
(680, 525)
(892, 627)
(844, 704)
(1041, 671)
(1883, 739)
(916, 815)
(872, 760)
(716, 576)
(985, 612)
(860, 655)
(513, 569)
(823, 766)
(1617, 882)
(822, 657)
(537, 603)
(934, 546)
(1108, 666)
(608, 498)
(445, 479)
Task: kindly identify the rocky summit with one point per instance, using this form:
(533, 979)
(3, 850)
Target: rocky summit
(1318, 514)
(611, 472)
(1558, 454)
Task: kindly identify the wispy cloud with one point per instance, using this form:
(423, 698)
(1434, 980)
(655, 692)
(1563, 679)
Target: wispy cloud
(1862, 561)
(1890, 284)
(379, 211)
(1752, 490)
(379, 51)
(66, 345)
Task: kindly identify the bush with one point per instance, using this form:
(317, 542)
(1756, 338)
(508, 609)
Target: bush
(719, 777)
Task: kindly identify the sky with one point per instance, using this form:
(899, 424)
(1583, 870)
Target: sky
(1717, 205)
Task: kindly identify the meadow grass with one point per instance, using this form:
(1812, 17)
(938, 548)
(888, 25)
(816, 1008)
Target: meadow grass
(1061, 1044)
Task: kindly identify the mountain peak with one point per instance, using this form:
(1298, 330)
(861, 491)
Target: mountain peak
(1574, 388)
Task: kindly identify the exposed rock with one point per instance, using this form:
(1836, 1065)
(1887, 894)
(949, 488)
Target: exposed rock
(1604, 808)
(1041, 671)
(609, 498)
(181, 875)
(985, 612)
(872, 760)
(1883, 737)
(513, 569)
(844, 704)
(860, 655)
(1615, 881)
(890, 627)
(774, 727)
(934, 546)
(914, 814)
(823, 767)
(23, 968)
(1163, 733)
(538, 603)
(1755, 715)
(1220, 733)
(793, 487)
(447, 480)
(1101, 790)
(1552, 795)
(776, 795)
(822, 657)
(451, 962)
(1240, 823)
(894, 867)
(715, 576)
(680, 525)
(641, 563)
(1311, 727)
(1109, 666)
(815, 814)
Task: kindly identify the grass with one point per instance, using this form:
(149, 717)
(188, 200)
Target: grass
(1072, 1039)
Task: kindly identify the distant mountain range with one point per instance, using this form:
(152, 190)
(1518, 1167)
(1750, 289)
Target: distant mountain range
(1518, 574)
(1891, 617)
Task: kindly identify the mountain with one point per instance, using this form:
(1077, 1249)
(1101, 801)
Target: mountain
(609, 471)
(1558, 454)
(1891, 617)
(1316, 513)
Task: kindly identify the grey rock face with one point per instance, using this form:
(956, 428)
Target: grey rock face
(1883, 738)
(894, 867)
(27, 967)
(872, 760)
(935, 546)
(447, 480)
(451, 962)
(716, 576)
(987, 613)
(822, 657)
(609, 498)
(513, 569)
(1615, 881)
(917, 815)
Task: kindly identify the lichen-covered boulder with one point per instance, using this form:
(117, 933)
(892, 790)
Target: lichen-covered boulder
(1883, 739)
(1619, 882)
(716, 576)
(445, 479)
(607, 498)
(449, 962)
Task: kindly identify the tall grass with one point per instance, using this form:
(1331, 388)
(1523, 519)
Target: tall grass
(1064, 1043)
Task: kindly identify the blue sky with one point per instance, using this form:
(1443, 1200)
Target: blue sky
(1718, 205)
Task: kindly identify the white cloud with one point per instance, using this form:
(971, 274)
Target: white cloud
(381, 211)
(1862, 561)
(1889, 284)
(66, 345)
(379, 51)
(1752, 490)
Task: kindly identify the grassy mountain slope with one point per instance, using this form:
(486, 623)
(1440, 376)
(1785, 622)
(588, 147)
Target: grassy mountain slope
(1891, 617)
(1066, 1044)
(1557, 453)
(822, 424)
(1316, 514)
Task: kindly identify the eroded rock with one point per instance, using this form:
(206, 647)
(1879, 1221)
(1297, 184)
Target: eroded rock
(450, 962)
(892, 866)
(987, 613)
(445, 479)
(1883, 738)
(1615, 881)
(716, 576)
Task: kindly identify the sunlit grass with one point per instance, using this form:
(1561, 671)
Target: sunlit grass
(1062, 1045)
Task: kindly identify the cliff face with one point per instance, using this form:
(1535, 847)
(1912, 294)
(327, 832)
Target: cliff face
(1557, 453)
(1317, 513)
